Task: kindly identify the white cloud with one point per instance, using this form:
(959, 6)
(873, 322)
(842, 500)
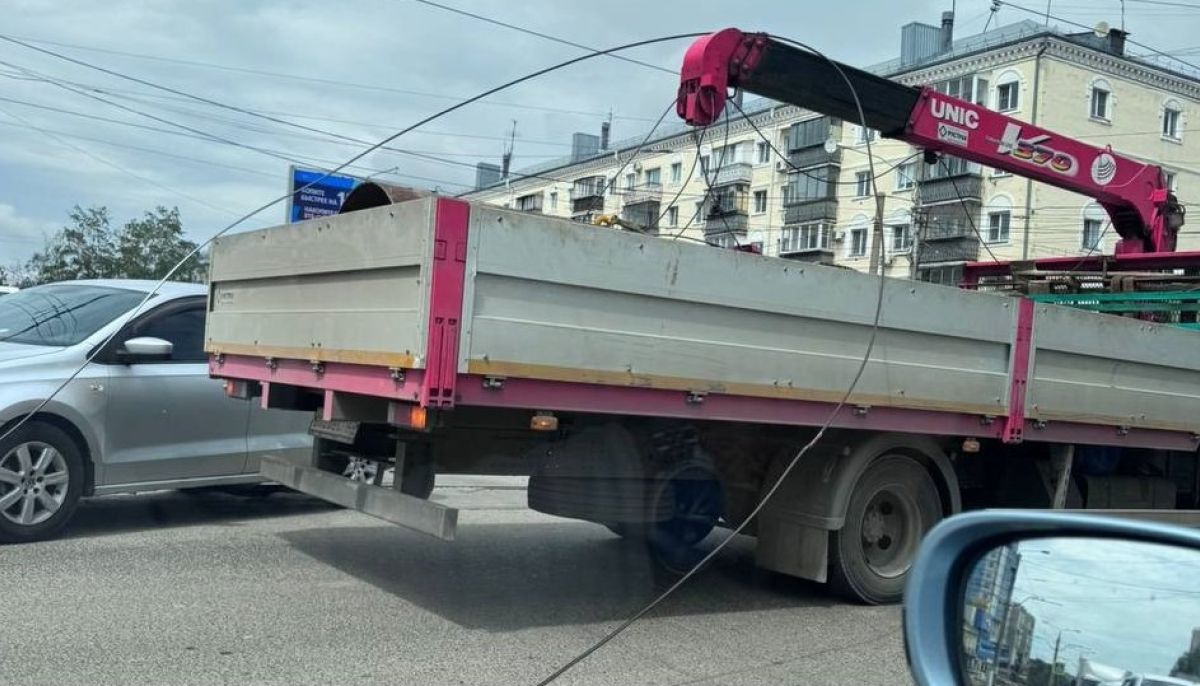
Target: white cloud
(20, 235)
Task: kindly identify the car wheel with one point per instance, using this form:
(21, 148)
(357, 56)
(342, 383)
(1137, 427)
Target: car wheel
(41, 480)
(894, 502)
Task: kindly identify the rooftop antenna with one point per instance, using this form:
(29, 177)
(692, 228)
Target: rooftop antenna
(991, 15)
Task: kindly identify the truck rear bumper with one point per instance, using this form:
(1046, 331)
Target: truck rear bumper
(385, 503)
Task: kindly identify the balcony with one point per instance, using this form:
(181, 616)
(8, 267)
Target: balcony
(645, 193)
(960, 249)
(530, 203)
(726, 223)
(810, 210)
(727, 210)
(810, 243)
(735, 173)
(643, 215)
(968, 187)
(587, 194)
(813, 156)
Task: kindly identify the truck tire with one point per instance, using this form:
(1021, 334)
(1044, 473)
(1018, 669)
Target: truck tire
(692, 493)
(894, 502)
(41, 480)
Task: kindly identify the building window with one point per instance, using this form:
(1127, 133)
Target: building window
(1101, 97)
(865, 134)
(704, 165)
(901, 237)
(862, 184)
(998, 224)
(654, 176)
(1007, 96)
(858, 242)
(723, 240)
(906, 176)
(530, 203)
(969, 88)
(804, 237)
(764, 152)
(630, 181)
(1092, 228)
(676, 172)
(810, 185)
(554, 201)
(673, 216)
(760, 202)
(698, 217)
(1169, 180)
(1170, 121)
(945, 276)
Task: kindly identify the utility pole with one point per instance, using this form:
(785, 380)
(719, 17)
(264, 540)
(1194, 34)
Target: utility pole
(1054, 662)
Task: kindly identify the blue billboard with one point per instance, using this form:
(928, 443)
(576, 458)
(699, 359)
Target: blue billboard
(315, 194)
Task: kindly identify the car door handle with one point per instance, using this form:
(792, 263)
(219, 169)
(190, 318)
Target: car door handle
(97, 387)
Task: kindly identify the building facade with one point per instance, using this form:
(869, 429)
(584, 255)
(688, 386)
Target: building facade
(798, 185)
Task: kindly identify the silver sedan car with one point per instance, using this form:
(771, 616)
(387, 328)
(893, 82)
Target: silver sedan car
(144, 415)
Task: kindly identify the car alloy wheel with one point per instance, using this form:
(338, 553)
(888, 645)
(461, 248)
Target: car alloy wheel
(33, 483)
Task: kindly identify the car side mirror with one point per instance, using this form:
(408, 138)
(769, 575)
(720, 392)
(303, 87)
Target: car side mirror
(1022, 597)
(144, 349)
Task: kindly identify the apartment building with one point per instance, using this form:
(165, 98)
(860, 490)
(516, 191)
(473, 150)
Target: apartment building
(733, 186)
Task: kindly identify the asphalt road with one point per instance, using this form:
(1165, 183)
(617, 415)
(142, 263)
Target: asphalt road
(177, 588)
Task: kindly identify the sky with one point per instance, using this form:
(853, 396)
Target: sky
(367, 69)
(1124, 604)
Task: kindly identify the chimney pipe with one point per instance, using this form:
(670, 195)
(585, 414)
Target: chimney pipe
(605, 128)
(506, 162)
(947, 31)
(1116, 41)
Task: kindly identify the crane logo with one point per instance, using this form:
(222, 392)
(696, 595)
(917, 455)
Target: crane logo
(1038, 151)
(1104, 168)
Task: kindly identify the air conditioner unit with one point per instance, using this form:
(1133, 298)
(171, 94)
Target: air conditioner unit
(782, 167)
(839, 236)
(637, 166)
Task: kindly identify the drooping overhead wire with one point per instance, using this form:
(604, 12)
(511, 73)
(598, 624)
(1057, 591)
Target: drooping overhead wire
(16, 426)
(770, 492)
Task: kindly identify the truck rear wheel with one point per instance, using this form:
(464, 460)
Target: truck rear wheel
(893, 503)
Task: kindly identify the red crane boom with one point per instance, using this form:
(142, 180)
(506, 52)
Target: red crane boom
(1144, 212)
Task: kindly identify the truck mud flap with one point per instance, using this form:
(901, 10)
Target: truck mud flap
(385, 503)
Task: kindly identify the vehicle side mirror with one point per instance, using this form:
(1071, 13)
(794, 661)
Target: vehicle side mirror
(144, 349)
(1021, 597)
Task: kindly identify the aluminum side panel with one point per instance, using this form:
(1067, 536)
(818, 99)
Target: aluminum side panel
(1113, 370)
(346, 288)
(615, 307)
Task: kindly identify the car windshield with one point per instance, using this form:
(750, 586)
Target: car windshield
(61, 314)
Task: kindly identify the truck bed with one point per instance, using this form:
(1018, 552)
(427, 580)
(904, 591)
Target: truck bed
(469, 304)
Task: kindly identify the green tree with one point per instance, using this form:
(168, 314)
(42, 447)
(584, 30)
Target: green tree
(84, 249)
(147, 248)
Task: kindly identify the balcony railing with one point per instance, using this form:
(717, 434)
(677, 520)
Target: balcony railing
(961, 249)
(737, 172)
(968, 187)
(800, 211)
(646, 192)
(731, 222)
(811, 157)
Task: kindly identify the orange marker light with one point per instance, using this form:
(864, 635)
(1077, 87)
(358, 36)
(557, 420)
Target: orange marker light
(417, 416)
(543, 421)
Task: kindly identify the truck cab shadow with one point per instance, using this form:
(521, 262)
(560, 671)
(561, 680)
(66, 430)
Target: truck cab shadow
(116, 514)
(504, 577)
